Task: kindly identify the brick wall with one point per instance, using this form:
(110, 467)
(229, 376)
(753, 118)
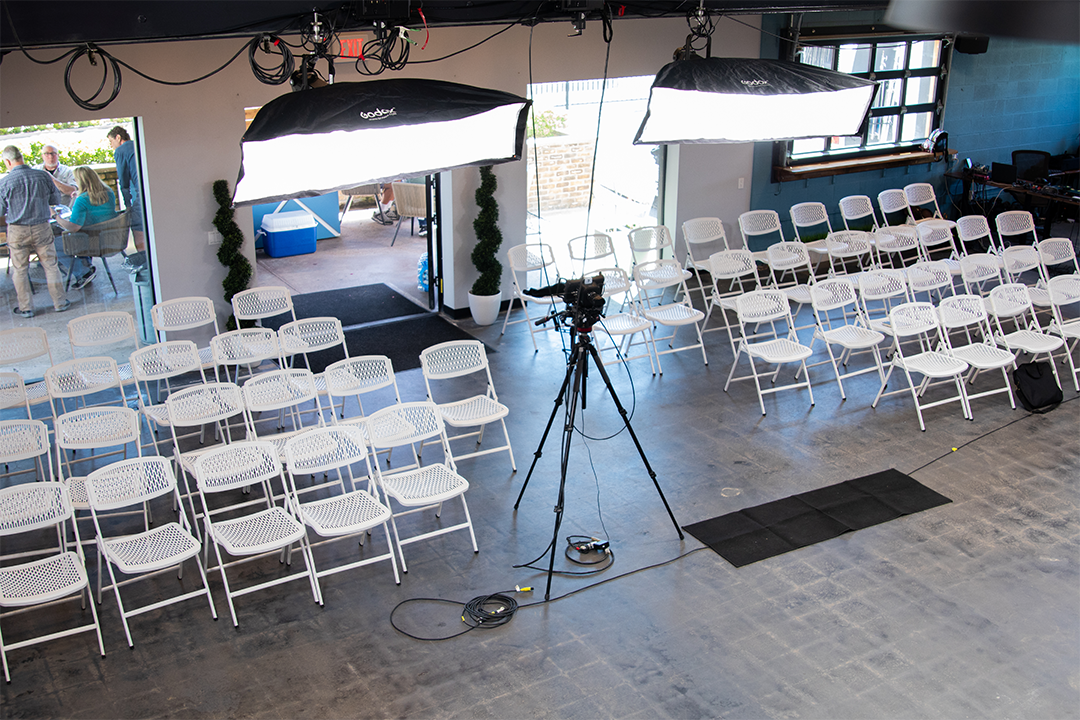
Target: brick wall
(564, 172)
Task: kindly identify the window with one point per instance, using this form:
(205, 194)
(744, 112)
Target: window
(907, 104)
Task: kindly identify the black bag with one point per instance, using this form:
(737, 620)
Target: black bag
(1036, 388)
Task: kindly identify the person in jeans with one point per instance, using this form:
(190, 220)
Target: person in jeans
(95, 204)
(26, 198)
(64, 177)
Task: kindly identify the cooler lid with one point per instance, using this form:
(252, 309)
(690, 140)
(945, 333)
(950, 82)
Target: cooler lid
(285, 221)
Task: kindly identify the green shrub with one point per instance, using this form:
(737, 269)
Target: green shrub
(488, 236)
(548, 124)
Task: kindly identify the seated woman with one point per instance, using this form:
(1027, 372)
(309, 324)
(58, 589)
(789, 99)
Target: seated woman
(94, 204)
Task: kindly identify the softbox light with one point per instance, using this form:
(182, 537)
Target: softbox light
(316, 141)
(734, 100)
(1052, 20)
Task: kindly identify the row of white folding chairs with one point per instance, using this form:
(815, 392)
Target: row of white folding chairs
(346, 511)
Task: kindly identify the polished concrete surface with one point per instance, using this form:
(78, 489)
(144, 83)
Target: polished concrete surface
(969, 610)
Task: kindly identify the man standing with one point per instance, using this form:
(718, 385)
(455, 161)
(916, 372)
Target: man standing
(64, 178)
(26, 197)
(127, 176)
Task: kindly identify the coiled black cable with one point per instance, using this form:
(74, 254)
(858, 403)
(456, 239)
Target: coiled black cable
(90, 51)
(271, 75)
(483, 612)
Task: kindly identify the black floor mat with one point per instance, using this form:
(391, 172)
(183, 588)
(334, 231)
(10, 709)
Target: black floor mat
(352, 306)
(777, 527)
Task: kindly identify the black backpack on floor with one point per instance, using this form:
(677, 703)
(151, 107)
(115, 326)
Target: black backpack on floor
(1036, 388)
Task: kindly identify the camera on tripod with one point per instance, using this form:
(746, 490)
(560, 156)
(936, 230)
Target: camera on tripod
(583, 298)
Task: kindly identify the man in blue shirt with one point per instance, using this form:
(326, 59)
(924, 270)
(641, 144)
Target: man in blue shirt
(26, 198)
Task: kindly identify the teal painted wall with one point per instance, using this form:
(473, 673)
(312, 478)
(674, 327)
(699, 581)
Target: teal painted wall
(1018, 95)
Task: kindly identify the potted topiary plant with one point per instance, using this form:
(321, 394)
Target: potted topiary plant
(232, 238)
(485, 296)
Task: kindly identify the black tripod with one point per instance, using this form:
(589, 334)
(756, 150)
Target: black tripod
(573, 388)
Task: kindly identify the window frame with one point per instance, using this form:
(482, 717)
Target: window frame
(837, 155)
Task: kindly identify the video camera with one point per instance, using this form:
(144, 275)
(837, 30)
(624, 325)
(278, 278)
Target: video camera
(583, 297)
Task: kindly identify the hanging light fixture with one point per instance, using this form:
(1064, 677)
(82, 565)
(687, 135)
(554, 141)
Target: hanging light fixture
(1051, 20)
(735, 100)
(343, 135)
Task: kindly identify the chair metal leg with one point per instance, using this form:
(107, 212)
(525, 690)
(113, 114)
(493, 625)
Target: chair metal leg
(397, 229)
(108, 272)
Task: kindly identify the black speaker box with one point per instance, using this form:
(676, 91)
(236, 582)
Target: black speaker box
(972, 44)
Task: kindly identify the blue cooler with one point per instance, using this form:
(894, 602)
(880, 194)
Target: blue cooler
(289, 233)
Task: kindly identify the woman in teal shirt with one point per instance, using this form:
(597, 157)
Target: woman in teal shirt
(95, 204)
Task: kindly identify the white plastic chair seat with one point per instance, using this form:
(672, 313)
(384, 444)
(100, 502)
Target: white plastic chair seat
(852, 337)
(619, 324)
(662, 276)
(426, 486)
(1070, 329)
(344, 514)
(954, 266)
(932, 364)
(158, 414)
(779, 350)
(257, 533)
(473, 411)
(155, 549)
(1040, 296)
(984, 356)
(206, 356)
(799, 294)
(674, 314)
(1030, 341)
(42, 580)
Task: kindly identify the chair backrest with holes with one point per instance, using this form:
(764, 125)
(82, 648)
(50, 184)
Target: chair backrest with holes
(101, 329)
(82, 376)
(975, 229)
(849, 244)
(810, 220)
(263, 302)
(1056, 251)
(236, 466)
(979, 268)
(164, 360)
(97, 427)
(832, 294)
(732, 264)
(405, 424)
(701, 231)
(1018, 259)
(963, 311)
(186, 313)
(13, 392)
(648, 243)
(358, 375)
(250, 345)
(936, 237)
(922, 195)
(785, 256)
(760, 228)
(410, 199)
(765, 305)
(1016, 227)
(453, 359)
(320, 450)
(532, 258)
(311, 335)
(586, 251)
(894, 207)
(32, 506)
(1011, 300)
(204, 404)
(278, 389)
(658, 274)
(24, 440)
(925, 276)
(131, 482)
(23, 343)
(858, 213)
(914, 318)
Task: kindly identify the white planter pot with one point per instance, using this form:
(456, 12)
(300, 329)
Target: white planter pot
(484, 308)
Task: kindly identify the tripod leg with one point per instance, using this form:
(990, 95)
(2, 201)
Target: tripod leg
(543, 438)
(576, 370)
(626, 421)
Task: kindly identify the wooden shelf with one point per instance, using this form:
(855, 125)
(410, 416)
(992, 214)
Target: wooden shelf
(851, 165)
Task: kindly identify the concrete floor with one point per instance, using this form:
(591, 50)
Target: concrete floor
(969, 610)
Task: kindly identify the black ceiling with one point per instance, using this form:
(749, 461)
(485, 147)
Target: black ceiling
(60, 23)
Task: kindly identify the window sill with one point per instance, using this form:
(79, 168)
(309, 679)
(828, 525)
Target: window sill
(851, 165)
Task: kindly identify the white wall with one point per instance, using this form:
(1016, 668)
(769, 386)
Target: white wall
(193, 132)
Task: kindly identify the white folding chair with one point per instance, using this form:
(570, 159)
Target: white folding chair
(936, 243)
(894, 208)
(590, 252)
(887, 288)
(858, 213)
(658, 275)
(702, 237)
(975, 236)
(538, 260)
(848, 246)
(919, 320)
(22, 440)
(60, 576)
(342, 511)
(980, 272)
(810, 221)
(248, 348)
(930, 277)
(1065, 290)
(183, 314)
(1012, 301)
(151, 551)
(754, 309)
(854, 335)
(649, 243)
(81, 380)
(103, 329)
(421, 486)
(358, 376)
(922, 195)
(1016, 227)
(763, 225)
(246, 535)
(17, 345)
(1057, 253)
(460, 359)
(967, 314)
(285, 395)
(793, 258)
(898, 243)
(260, 303)
(164, 362)
(738, 270)
(313, 335)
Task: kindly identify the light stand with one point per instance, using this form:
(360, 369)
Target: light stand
(573, 389)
